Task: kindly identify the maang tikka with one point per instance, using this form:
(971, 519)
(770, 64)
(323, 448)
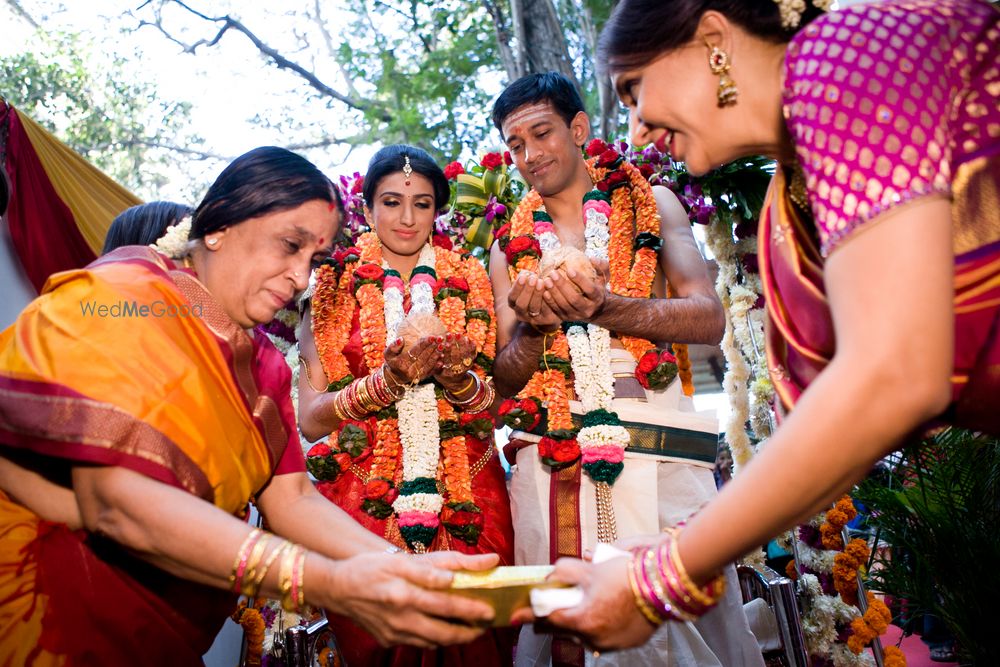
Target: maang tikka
(718, 62)
(407, 169)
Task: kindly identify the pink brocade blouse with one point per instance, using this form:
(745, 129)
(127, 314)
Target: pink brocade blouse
(885, 101)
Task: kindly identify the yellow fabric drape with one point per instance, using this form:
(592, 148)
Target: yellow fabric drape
(93, 197)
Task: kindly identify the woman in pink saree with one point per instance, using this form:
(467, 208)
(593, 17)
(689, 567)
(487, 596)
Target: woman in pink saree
(879, 241)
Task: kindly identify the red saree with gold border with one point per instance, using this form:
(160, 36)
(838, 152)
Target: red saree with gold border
(181, 395)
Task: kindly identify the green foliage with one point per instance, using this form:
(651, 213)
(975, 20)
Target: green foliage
(424, 63)
(105, 113)
(940, 514)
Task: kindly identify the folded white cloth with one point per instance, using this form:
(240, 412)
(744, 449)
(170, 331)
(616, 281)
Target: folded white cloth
(544, 601)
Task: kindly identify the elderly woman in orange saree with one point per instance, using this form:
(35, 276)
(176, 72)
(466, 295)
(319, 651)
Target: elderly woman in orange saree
(879, 247)
(140, 413)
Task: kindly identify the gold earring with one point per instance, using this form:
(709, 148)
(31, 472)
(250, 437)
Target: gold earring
(718, 62)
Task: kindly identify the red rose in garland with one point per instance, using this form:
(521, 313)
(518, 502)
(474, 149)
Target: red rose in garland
(522, 245)
(453, 169)
(522, 415)
(322, 463)
(596, 147)
(492, 161)
(558, 453)
(377, 488)
(565, 451)
(379, 495)
(442, 241)
(656, 369)
(479, 425)
(608, 158)
(463, 520)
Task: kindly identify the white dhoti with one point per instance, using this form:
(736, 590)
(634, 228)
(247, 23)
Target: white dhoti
(653, 492)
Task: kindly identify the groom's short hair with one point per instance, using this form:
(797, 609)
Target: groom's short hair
(550, 87)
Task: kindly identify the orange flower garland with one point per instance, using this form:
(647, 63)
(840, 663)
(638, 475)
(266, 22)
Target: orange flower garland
(842, 513)
(845, 569)
(372, 321)
(387, 451)
(872, 624)
(454, 459)
(892, 656)
(332, 325)
(331, 296)
(253, 629)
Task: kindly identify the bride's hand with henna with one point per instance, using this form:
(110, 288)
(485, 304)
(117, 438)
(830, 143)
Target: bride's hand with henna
(415, 364)
(457, 357)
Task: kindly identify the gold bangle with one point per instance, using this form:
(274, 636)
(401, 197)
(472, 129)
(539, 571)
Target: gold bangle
(239, 565)
(285, 577)
(640, 600)
(700, 595)
(300, 598)
(250, 574)
(472, 380)
(259, 579)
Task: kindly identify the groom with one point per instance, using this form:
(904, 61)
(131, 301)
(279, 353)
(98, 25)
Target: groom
(667, 472)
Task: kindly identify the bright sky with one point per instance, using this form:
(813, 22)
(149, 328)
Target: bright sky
(227, 85)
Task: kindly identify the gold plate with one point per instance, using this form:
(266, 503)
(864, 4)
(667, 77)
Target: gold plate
(505, 588)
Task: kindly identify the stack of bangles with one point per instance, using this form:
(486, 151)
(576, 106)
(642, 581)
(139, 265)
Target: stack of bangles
(250, 568)
(481, 399)
(663, 590)
(367, 395)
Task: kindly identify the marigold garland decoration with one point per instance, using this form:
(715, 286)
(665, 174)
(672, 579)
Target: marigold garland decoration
(253, 628)
(892, 656)
(872, 624)
(845, 569)
(402, 481)
(827, 576)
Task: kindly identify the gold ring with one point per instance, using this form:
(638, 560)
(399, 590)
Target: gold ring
(467, 361)
(535, 314)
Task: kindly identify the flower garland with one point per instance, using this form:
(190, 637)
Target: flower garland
(422, 429)
(834, 626)
(250, 618)
(622, 225)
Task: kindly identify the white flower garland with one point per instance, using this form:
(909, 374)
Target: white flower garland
(590, 348)
(419, 430)
(820, 618)
(174, 242)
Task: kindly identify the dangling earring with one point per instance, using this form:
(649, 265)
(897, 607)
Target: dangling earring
(718, 62)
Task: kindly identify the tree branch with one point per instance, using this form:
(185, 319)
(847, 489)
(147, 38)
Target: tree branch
(20, 11)
(331, 49)
(229, 23)
(510, 63)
